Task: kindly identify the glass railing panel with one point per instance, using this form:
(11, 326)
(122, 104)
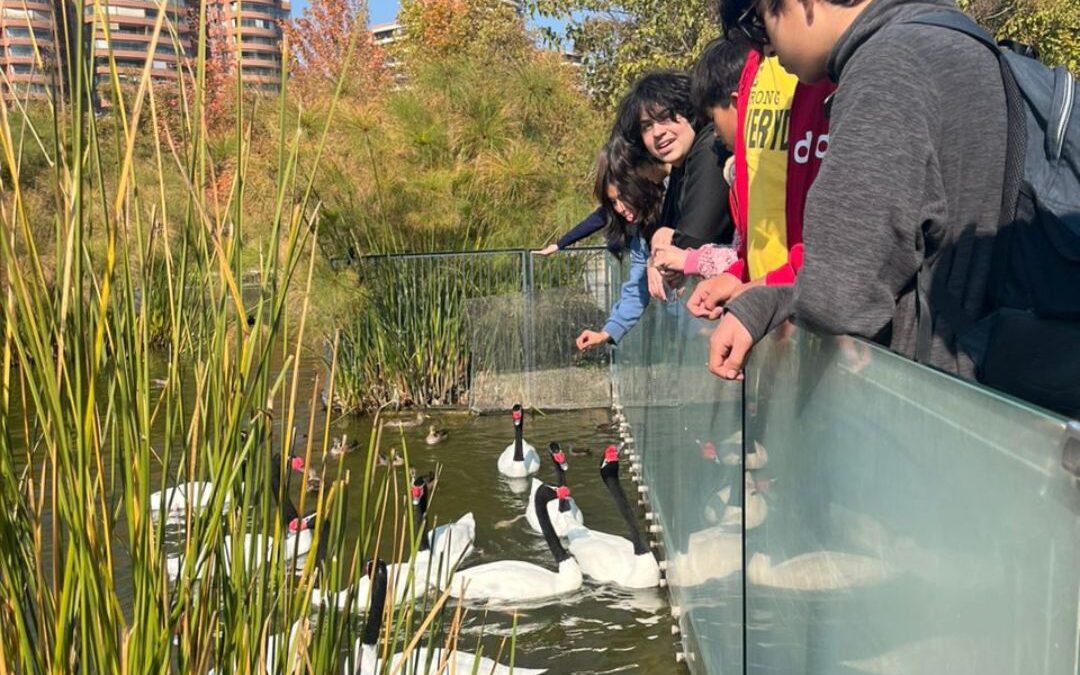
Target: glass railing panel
(910, 523)
(685, 429)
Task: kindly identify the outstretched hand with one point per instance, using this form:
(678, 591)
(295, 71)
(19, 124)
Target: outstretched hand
(547, 250)
(709, 297)
(728, 347)
(591, 338)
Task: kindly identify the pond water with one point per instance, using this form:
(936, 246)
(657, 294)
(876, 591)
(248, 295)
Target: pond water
(598, 629)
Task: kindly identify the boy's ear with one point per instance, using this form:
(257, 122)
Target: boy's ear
(734, 101)
(808, 10)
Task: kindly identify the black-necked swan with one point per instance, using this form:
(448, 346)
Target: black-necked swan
(519, 459)
(720, 510)
(819, 571)
(610, 559)
(366, 653)
(174, 501)
(443, 548)
(564, 513)
(258, 547)
(512, 581)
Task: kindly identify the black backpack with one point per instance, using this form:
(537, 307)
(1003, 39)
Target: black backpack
(1029, 344)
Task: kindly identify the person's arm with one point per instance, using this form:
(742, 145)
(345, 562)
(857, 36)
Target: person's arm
(876, 191)
(705, 212)
(634, 295)
(592, 224)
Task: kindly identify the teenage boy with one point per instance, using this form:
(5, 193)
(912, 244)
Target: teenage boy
(914, 173)
(658, 117)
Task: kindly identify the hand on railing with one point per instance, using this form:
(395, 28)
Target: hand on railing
(547, 250)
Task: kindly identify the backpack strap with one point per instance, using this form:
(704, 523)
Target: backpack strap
(927, 288)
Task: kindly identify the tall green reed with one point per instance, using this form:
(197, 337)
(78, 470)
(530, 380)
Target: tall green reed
(128, 285)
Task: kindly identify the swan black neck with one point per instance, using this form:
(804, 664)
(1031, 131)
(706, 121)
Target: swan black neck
(420, 512)
(545, 494)
(610, 474)
(519, 434)
(281, 492)
(373, 624)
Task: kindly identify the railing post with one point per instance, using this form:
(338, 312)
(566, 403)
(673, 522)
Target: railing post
(528, 328)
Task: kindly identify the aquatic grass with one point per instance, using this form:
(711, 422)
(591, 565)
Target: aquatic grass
(125, 286)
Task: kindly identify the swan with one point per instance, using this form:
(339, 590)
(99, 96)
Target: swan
(438, 555)
(366, 651)
(819, 571)
(258, 547)
(720, 511)
(198, 495)
(406, 424)
(435, 436)
(512, 581)
(756, 458)
(519, 459)
(610, 559)
(564, 513)
(711, 554)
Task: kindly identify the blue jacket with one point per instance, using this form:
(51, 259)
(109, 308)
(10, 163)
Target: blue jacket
(634, 296)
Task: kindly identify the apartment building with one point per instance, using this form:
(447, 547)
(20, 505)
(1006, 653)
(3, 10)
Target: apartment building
(254, 28)
(26, 26)
(126, 27)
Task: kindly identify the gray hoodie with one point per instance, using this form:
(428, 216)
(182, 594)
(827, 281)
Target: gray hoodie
(914, 171)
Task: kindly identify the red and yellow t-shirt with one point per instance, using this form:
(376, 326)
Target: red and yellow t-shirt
(783, 136)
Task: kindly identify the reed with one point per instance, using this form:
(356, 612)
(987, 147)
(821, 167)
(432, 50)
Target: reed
(128, 365)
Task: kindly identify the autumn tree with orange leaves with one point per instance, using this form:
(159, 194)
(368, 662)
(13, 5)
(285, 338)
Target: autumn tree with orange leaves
(320, 41)
(450, 29)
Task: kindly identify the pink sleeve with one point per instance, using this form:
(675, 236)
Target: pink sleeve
(693, 257)
(714, 260)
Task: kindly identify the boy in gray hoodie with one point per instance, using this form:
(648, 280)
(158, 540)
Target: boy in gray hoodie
(914, 173)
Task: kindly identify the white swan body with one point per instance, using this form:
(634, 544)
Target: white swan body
(818, 571)
(711, 554)
(450, 544)
(510, 581)
(257, 549)
(366, 656)
(405, 588)
(562, 521)
(519, 459)
(175, 501)
(608, 558)
(420, 661)
(720, 511)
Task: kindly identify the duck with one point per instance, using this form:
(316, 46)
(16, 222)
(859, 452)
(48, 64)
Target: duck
(421, 660)
(406, 424)
(393, 459)
(173, 503)
(435, 436)
(580, 452)
(564, 512)
(341, 446)
(515, 581)
(608, 558)
(720, 511)
(519, 459)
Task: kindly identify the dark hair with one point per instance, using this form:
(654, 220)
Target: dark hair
(633, 174)
(663, 95)
(743, 25)
(716, 75)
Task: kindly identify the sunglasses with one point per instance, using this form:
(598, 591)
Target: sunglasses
(752, 26)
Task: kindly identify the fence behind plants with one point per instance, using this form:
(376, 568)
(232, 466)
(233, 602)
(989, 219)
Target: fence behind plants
(481, 329)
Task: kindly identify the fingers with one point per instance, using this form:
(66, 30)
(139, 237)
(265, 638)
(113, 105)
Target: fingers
(656, 284)
(728, 348)
(582, 341)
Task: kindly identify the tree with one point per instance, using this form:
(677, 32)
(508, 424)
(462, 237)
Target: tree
(320, 41)
(449, 29)
(619, 40)
(1052, 26)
